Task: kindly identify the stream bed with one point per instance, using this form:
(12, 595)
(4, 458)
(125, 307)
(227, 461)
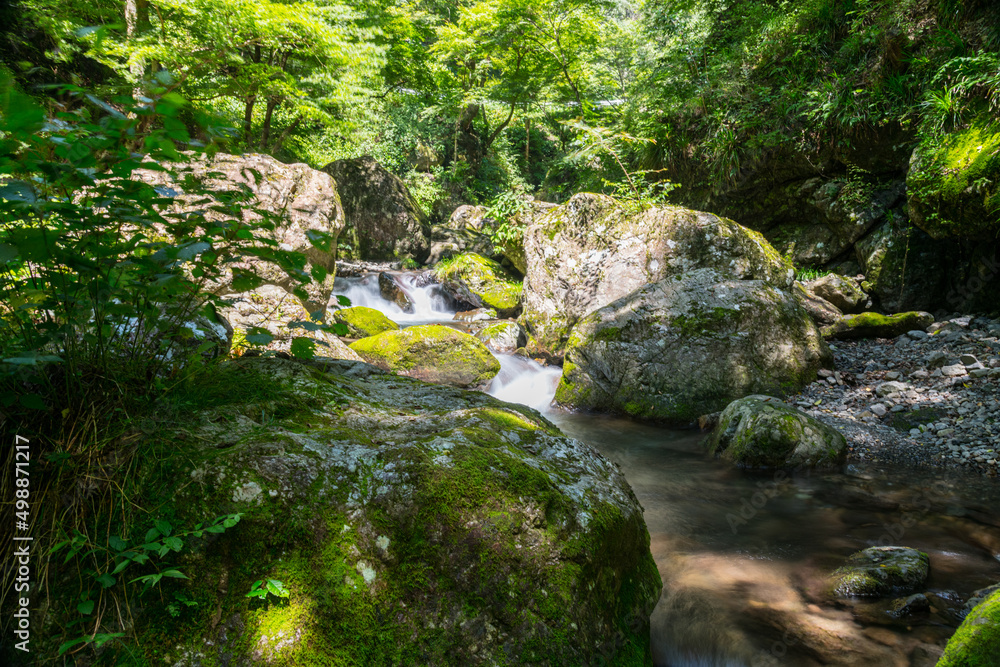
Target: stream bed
(745, 557)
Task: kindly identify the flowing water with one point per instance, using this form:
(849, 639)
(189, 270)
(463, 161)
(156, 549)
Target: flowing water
(744, 557)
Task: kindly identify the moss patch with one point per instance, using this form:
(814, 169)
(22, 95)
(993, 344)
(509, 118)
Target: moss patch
(875, 325)
(483, 279)
(362, 322)
(976, 643)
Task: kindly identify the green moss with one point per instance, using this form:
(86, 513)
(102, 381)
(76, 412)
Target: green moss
(875, 325)
(976, 643)
(431, 352)
(485, 279)
(362, 322)
(955, 189)
(717, 321)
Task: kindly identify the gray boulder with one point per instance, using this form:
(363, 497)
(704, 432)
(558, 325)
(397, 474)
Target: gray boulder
(842, 292)
(763, 432)
(302, 199)
(591, 251)
(689, 345)
(821, 310)
(384, 221)
(409, 523)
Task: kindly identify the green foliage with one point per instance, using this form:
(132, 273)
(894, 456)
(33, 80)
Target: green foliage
(101, 564)
(262, 588)
(501, 213)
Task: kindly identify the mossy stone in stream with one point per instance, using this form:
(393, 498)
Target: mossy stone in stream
(362, 322)
(878, 572)
(763, 432)
(874, 325)
(431, 352)
(413, 524)
(976, 643)
(480, 282)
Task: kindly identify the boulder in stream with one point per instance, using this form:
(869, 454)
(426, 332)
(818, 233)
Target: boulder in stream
(592, 251)
(976, 643)
(763, 432)
(481, 283)
(502, 337)
(393, 292)
(689, 345)
(878, 572)
(410, 524)
(433, 353)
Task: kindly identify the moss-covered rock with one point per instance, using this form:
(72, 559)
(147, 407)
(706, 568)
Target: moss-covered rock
(822, 311)
(954, 182)
(690, 345)
(875, 325)
(362, 322)
(411, 524)
(503, 337)
(481, 283)
(590, 251)
(763, 432)
(976, 643)
(431, 352)
(878, 572)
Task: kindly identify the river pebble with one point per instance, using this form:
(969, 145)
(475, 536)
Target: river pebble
(925, 398)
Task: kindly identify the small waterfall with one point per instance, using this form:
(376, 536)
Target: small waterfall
(429, 304)
(525, 381)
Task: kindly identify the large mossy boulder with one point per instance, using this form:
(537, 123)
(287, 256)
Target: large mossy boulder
(304, 203)
(875, 325)
(763, 432)
(384, 221)
(411, 524)
(690, 345)
(878, 572)
(976, 643)
(480, 282)
(362, 322)
(591, 251)
(431, 352)
(954, 182)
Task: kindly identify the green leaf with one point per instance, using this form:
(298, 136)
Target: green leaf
(151, 535)
(303, 348)
(244, 282)
(231, 520)
(121, 566)
(32, 402)
(117, 543)
(73, 642)
(174, 543)
(174, 574)
(163, 526)
(101, 639)
(85, 607)
(106, 580)
(343, 301)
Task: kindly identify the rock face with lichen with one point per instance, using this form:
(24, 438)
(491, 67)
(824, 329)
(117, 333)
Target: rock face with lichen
(410, 524)
(433, 353)
(592, 251)
(878, 572)
(384, 221)
(481, 283)
(763, 432)
(304, 202)
(688, 345)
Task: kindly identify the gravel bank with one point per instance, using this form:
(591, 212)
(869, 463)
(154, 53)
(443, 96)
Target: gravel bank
(925, 398)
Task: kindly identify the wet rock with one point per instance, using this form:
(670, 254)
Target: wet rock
(433, 353)
(763, 432)
(881, 571)
(477, 315)
(502, 337)
(392, 291)
(908, 606)
(481, 283)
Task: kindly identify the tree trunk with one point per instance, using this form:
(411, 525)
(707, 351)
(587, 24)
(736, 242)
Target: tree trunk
(284, 135)
(265, 132)
(248, 118)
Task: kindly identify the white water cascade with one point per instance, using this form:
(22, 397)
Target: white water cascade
(520, 380)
